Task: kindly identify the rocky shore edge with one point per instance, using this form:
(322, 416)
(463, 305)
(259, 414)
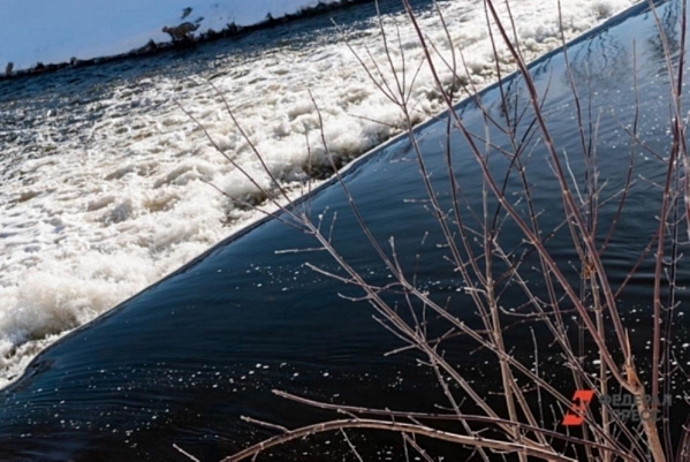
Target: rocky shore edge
(231, 30)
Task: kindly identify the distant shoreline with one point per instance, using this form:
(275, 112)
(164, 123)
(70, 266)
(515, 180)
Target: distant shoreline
(231, 31)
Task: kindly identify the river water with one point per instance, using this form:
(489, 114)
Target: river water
(181, 362)
(102, 171)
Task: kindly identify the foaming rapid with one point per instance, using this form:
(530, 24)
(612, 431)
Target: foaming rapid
(107, 192)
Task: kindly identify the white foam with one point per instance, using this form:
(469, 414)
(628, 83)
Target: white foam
(104, 212)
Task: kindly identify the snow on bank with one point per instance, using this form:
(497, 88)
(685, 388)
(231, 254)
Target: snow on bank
(122, 203)
(54, 31)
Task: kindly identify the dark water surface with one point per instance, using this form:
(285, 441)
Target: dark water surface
(182, 361)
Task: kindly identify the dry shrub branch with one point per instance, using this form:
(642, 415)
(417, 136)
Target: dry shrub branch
(492, 265)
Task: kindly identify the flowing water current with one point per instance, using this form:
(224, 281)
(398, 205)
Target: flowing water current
(104, 177)
(105, 186)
